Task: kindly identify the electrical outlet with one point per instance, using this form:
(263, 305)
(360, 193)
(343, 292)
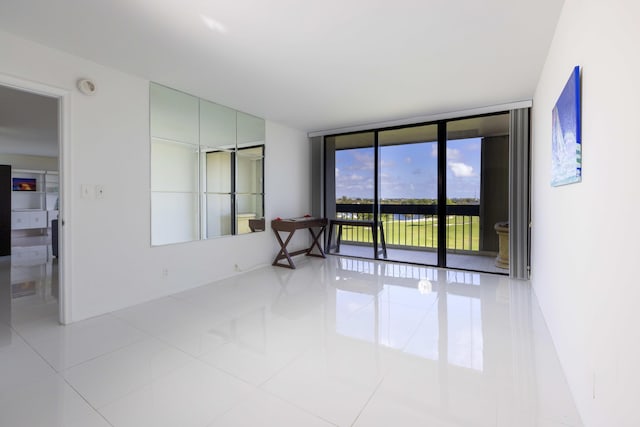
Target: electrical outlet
(99, 191)
(165, 272)
(236, 267)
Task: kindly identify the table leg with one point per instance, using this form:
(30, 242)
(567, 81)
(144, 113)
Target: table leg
(283, 251)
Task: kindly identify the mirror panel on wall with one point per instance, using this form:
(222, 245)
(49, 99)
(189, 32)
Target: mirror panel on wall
(207, 168)
(174, 163)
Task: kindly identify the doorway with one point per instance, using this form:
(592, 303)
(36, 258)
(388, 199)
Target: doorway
(31, 144)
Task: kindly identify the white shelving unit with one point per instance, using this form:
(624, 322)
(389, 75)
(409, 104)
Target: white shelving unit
(51, 186)
(33, 209)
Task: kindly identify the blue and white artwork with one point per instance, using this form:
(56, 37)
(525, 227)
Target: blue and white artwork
(566, 162)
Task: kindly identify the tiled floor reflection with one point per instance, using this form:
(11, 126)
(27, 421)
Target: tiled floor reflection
(468, 261)
(336, 342)
(28, 280)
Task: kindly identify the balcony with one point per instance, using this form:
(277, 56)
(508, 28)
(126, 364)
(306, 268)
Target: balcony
(411, 234)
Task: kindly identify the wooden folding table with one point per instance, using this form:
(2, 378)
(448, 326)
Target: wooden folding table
(290, 226)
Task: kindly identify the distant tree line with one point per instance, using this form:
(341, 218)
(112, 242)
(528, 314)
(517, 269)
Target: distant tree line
(344, 200)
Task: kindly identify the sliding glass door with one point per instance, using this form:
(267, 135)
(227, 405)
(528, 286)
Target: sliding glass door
(438, 191)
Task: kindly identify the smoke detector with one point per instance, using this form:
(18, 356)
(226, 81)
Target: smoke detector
(87, 86)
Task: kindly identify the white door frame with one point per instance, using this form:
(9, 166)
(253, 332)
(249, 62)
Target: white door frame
(64, 151)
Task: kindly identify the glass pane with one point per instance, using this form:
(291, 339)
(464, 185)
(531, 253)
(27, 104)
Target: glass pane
(174, 166)
(174, 217)
(217, 126)
(218, 172)
(218, 215)
(250, 207)
(354, 192)
(250, 130)
(174, 115)
(477, 190)
(409, 193)
(250, 170)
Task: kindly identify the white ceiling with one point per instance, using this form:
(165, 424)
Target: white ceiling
(310, 64)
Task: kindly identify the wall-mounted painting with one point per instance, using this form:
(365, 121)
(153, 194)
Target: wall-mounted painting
(566, 151)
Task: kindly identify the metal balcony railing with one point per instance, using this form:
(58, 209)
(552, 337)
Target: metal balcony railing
(415, 226)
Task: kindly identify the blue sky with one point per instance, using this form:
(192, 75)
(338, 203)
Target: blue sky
(409, 171)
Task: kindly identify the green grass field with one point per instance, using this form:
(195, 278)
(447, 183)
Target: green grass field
(462, 232)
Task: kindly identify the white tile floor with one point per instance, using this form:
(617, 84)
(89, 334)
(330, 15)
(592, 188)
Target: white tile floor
(336, 342)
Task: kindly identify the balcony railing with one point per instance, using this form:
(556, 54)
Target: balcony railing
(415, 226)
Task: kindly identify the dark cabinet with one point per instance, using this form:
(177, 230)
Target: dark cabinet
(5, 210)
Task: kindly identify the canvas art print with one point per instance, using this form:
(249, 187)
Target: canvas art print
(566, 151)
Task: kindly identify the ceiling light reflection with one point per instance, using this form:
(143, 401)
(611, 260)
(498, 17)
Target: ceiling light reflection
(213, 24)
(425, 286)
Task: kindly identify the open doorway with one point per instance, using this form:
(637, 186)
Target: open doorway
(30, 147)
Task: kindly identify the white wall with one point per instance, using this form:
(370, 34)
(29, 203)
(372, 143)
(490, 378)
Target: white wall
(113, 264)
(23, 161)
(586, 235)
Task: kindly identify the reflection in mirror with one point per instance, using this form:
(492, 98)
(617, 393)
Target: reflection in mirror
(217, 126)
(249, 187)
(250, 208)
(250, 130)
(250, 174)
(207, 169)
(218, 180)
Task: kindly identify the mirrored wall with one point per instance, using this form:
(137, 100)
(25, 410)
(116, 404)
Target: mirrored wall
(207, 168)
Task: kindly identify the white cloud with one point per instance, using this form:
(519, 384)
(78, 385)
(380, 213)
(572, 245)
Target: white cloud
(460, 169)
(408, 160)
(337, 172)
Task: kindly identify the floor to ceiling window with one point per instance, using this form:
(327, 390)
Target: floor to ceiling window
(437, 190)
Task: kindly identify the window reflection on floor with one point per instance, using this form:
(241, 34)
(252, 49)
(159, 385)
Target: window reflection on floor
(407, 308)
(464, 332)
